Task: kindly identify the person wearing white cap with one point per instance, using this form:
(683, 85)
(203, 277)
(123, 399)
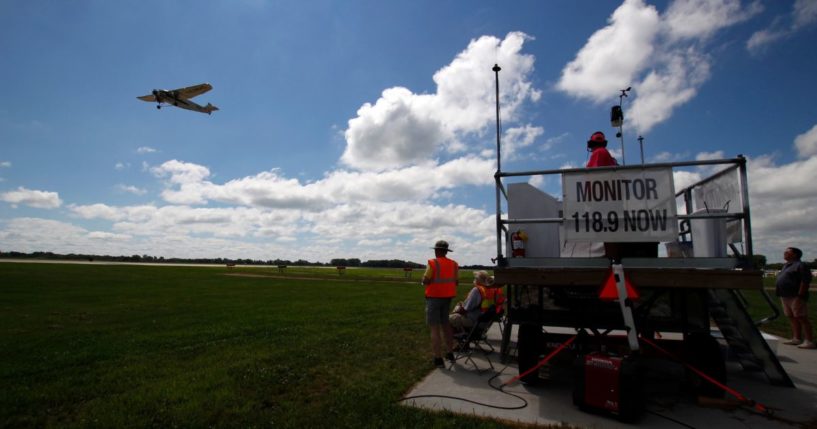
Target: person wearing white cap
(467, 312)
(440, 280)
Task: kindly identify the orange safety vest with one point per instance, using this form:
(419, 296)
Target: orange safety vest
(444, 281)
(491, 296)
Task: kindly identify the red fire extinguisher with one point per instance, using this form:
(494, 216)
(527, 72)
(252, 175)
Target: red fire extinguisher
(518, 240)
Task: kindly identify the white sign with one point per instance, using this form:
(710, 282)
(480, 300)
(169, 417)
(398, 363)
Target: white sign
(620, 206)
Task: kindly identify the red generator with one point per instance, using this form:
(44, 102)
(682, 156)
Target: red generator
(609, 384)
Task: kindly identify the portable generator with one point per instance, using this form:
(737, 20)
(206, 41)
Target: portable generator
(609, 384)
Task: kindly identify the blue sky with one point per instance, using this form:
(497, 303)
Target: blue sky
(366, 128)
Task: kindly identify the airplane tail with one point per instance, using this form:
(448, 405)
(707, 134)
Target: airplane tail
(209, 108)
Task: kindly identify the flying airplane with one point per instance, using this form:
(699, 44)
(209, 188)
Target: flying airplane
(181, 98)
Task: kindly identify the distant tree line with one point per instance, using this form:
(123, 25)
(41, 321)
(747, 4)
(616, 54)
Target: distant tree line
(778, 265)
(350, 262)
(760, 262)
(374, 263)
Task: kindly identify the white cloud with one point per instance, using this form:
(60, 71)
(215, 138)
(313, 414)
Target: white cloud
(803, 15)
(660, 56)
(181, 172)
(397, 205)
(806, 143)
(398, 129)
(683, 179)
(668, 157)
(187, 185)
(30, 235)
(402, 128)
(350, 229)
(671, 84)
(537, 181)
(708, 156)
(702, 18)
(149, 220)
(761, 39)
(119, 166)
(519, 137)
(100, 211)
(145, 149)
(32, 198)
(131, 189)
(101, 235)
(612, 57)
(782, 199)
(5, 164)
(188, 176)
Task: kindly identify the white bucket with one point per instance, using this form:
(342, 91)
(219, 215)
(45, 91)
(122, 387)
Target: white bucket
(708, 235)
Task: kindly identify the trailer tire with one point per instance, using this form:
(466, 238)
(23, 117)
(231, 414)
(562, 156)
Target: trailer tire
(530, 346)
(703, 352)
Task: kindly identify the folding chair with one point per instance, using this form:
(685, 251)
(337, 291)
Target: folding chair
(477, 339)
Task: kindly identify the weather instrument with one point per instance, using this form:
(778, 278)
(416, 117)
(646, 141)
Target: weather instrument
(617, 120)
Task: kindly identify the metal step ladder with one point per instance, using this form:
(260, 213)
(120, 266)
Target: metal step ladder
(743, 337)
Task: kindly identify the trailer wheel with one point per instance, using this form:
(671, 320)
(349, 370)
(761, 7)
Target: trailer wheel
(703, 352)
(530, 345)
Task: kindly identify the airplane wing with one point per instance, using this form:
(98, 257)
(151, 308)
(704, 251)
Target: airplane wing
(192, 91)
(149, 97)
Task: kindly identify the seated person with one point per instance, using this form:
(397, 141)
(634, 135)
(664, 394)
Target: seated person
(467, 312)
(491, 295)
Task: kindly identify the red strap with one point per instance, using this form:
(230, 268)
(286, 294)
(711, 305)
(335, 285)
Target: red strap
(756, 405)
(543, 361)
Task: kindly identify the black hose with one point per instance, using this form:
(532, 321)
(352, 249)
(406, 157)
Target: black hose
(500, 388)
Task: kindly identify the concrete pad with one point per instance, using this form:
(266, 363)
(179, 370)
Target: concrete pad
(465, 390)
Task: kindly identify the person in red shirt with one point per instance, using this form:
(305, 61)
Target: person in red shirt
(599, 156)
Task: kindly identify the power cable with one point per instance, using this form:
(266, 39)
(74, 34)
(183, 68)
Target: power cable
(500, 388)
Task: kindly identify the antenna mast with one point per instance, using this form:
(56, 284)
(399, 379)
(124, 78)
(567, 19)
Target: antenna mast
(496, 70)
(497, 178)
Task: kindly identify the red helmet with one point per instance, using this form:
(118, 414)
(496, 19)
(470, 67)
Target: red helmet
(597, 139)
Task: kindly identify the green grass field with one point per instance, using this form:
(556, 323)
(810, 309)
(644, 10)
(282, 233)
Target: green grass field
(136, 346)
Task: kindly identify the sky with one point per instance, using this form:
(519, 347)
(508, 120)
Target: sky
(367, 129)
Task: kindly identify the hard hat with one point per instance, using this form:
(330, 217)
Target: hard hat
(442, 245)
(597, 138)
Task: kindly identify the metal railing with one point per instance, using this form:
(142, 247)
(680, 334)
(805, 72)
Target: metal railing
(737, 165)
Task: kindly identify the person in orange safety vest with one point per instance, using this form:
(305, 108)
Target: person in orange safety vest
(491, 295)
(440, 280)
(479, 301)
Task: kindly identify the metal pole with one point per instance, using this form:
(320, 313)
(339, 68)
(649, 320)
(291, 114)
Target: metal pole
(497, 176)
(621, 125)
(496, 70)
(641, 144)
(747, 221)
